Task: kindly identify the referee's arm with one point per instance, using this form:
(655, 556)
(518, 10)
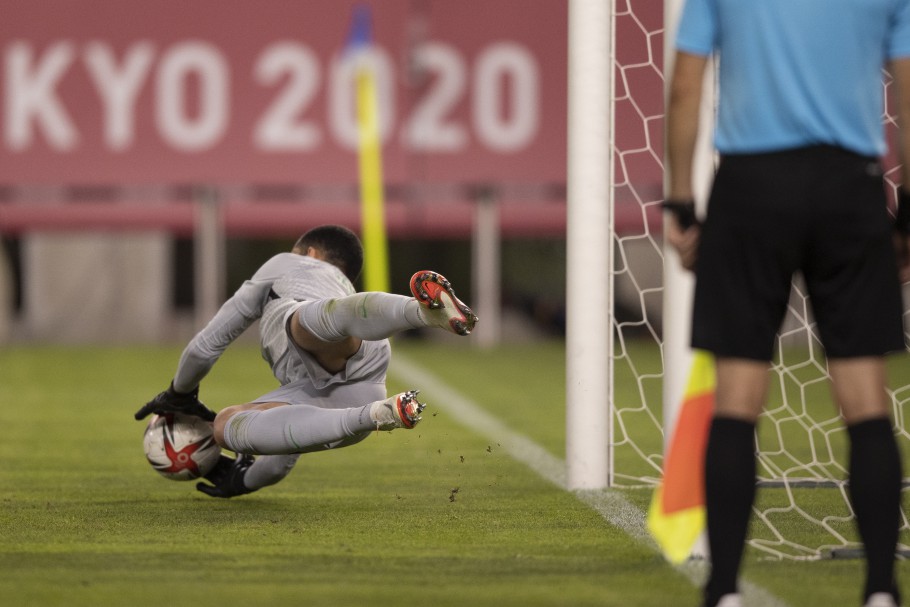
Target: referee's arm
(683, 113)
(682, 121)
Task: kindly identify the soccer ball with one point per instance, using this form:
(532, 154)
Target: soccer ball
(181, 447)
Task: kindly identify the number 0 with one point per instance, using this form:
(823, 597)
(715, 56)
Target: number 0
(506, 129)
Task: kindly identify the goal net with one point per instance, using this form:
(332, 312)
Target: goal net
(802, 510)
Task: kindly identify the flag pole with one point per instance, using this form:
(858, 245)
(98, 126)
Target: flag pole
(372, 203)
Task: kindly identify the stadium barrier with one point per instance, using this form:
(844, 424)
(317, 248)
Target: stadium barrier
(76, 229)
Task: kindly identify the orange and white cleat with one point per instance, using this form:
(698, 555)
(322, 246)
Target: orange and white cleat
(399, 411)
(440, 307)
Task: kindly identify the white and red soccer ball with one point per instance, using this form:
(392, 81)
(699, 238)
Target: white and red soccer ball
(180, 447)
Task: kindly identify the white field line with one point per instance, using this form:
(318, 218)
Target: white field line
(609, 503)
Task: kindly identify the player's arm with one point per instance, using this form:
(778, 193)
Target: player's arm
(204, 350)
(197, 359)
(900, 71)
(683, 114)
(231, 320)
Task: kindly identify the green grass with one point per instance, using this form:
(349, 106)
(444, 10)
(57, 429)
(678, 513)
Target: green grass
(527, 400)
(85, 521)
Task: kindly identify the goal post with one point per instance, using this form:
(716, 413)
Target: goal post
(589, 245)
(592, 241)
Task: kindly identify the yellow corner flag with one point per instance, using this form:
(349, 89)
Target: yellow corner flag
(372, 207)
(677, 515)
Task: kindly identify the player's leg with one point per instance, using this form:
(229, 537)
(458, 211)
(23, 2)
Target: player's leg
(730, 469)
(332, 330)
(852, 278)
(370, 315)
(374, 315)
(232, 476)
(874, 465)
(280, 428)
(268, 470)
(280, 432)
(245, 474)
(747, 252)
(858, 387)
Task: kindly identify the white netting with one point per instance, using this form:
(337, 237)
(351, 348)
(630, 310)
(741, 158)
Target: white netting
(802, 510)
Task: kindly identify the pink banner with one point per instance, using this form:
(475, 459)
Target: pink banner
(115, 91)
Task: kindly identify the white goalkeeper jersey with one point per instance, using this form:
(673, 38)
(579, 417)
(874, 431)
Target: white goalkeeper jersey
(273, 293)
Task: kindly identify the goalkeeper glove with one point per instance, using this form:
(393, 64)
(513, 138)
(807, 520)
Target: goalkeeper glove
(171, 401)
(227, 477)
(683, 211)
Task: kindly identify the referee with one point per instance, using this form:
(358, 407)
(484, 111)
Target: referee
(798, 188)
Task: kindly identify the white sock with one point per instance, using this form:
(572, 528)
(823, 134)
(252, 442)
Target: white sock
(372, 316)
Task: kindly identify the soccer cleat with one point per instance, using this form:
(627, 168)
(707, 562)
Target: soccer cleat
(227, 477)
(881, 599)
(399, 411)
(441, 307)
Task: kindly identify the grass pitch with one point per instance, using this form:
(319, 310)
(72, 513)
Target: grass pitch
(434, 516)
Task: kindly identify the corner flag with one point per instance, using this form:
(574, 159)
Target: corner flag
(677, 515)
(372, 207)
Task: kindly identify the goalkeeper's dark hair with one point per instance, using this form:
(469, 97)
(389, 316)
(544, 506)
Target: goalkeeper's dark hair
(338, 245)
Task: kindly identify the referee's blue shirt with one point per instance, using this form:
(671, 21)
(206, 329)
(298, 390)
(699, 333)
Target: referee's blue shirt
(798, 72)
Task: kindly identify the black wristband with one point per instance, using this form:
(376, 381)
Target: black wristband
(902, 214)
(683, 211)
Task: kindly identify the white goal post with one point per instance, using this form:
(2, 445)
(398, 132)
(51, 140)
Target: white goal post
(589, 245)
(591, 241)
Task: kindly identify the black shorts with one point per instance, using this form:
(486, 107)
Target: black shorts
(821, 211)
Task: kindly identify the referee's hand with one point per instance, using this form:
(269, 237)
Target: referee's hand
(902, 248)
(683, 231)
(685, 242)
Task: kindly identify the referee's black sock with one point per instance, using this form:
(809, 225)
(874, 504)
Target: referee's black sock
(875, 490)
(729, 492)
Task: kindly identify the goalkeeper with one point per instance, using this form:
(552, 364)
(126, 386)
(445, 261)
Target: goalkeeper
(326, 345)
(799, 188)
